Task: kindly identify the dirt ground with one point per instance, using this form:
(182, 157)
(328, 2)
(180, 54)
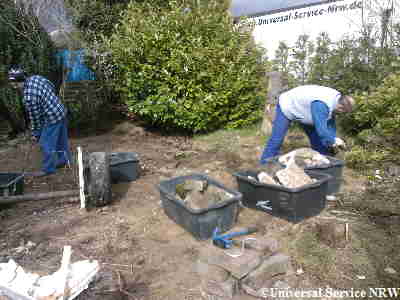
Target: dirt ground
(143, 254)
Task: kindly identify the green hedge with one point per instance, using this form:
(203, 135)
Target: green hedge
(23, 42)
(187, 67)
(378, 111)
(376, 124)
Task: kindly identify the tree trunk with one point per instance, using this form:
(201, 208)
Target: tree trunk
(276, 85)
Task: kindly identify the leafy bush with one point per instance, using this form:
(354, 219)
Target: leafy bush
(378, 111)
(376, 123)
(23, 42)
(95, 20)
(187, 66)
(95, 17)
(350, 65)
(364, 155)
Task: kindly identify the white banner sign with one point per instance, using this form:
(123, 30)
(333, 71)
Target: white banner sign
(338, 19)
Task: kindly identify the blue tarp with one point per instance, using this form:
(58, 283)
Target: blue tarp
(74, 63)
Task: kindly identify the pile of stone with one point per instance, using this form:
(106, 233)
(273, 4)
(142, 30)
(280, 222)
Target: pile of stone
(260, 267)
(305, 158)
(293, 174)
(291, 177)
(199, 194)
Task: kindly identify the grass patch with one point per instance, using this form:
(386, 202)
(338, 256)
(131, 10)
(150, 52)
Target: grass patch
(381, 198)
(374, 248)
(359, 265)
(313, 256)
(231, 139)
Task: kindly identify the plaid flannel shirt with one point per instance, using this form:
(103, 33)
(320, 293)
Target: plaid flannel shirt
(41, 103)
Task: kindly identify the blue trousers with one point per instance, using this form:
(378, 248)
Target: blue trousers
(280, 127)
(54, 144)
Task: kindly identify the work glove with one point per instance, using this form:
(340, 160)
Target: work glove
(339, 144)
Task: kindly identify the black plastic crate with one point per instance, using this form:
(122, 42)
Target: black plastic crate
(199, 222)
(11, 184)
(292, 204)
(335, 170)
(124, 166)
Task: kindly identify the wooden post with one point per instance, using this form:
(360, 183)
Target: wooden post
(275, 87)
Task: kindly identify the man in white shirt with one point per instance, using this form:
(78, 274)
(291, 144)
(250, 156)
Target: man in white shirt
(314, 107)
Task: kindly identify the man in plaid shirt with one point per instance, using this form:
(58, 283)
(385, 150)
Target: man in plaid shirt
(47, 116)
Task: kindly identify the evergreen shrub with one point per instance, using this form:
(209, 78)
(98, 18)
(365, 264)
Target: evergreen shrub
(378, 111)
(188, 66)
(376, 124)
(23, 42)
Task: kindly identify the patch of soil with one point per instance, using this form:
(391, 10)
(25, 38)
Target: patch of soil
(143, 254)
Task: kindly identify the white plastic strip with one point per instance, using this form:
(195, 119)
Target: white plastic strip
(81, 179)
(65, 268)
(236, 255)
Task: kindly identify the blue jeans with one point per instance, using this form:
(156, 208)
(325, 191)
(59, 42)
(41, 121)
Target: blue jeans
(279, 129)
(54, 144)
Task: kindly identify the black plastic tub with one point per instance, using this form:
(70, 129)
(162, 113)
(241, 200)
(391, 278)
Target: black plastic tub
(124, 166)
(11, 184)
(335, 170)
(293, 205)
(199, 222)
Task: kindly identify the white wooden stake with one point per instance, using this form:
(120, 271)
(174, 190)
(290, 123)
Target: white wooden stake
(81, 179)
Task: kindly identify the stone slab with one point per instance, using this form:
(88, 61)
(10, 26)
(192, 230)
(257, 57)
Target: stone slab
(274, 265)
(238, 267)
